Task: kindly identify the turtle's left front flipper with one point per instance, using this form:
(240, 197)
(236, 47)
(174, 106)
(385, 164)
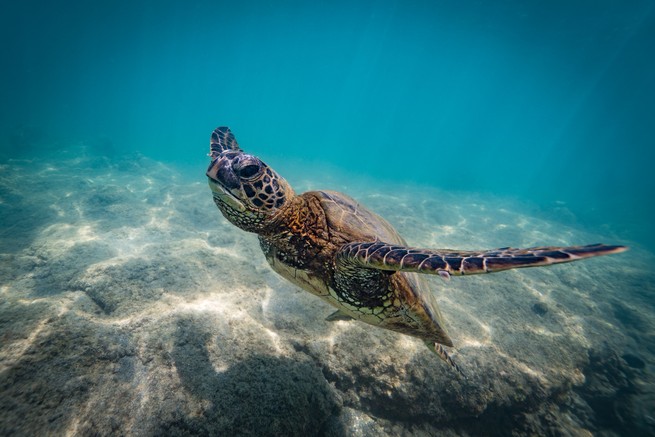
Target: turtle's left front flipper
(446, 262)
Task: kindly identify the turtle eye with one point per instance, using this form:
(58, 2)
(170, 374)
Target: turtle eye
(248, 171)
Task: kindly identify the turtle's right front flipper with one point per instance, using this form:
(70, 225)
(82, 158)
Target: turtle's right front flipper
(446, 262)
(221, 140)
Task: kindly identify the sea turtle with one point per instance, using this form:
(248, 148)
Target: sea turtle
(330, 245)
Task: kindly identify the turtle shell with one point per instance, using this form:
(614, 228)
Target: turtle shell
(346, 217)
(354, 222)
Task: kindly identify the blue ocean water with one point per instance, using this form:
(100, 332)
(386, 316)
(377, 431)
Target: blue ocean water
(120, 280)
(548, 101)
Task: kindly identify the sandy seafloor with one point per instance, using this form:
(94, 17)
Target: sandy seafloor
(129, 306)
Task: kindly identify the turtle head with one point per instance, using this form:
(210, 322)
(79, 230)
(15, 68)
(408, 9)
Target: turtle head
(247, 191)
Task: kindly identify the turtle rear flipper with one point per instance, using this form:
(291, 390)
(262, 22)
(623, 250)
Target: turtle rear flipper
(439, 350)
(446, 262)
(338, 315)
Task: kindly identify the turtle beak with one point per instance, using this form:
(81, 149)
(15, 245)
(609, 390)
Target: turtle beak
(220, 170)
(221, 180)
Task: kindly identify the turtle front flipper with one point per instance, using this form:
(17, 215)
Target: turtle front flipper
(446, 262)
(222, 139)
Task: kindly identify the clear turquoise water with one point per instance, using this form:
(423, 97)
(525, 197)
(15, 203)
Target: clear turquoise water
(469, 124)
(551, 102)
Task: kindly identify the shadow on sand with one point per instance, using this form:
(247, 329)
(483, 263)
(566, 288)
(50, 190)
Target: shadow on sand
(261, 395)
